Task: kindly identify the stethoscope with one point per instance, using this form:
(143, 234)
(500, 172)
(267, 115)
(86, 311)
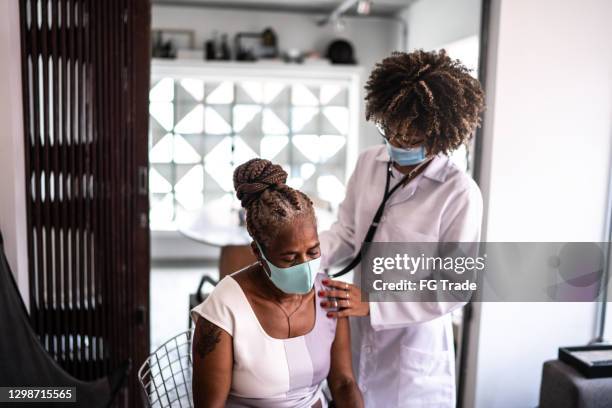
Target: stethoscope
(378, 215)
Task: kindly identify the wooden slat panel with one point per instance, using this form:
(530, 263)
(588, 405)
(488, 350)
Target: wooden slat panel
(138, 65)
(45, 175)
(36, 241)
(71, 191)
(67, 363)
(100, 225)
(66, 315)
(85, 85)
(88, 202)
(54, 141)
(80, 124)
(26, 73)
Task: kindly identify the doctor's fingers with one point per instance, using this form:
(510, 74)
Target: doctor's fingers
(340, 294)
(337, 303)
(337, 284)
(345, 304)
(340, 313)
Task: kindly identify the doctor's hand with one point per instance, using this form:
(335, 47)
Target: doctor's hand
(342, 299)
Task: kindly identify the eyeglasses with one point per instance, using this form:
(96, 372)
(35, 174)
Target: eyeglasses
(383, 132)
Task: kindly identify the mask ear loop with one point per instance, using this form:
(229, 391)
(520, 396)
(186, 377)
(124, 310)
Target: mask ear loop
(265, 260)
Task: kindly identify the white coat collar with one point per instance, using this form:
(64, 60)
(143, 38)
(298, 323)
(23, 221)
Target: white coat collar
(436, 170)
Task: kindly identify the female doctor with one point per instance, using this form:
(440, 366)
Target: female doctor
(425, 105)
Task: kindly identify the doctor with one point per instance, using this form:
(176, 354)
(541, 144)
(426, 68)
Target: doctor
(425, 106)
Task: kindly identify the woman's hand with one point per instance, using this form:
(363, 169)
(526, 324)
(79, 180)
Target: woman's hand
(344, 297)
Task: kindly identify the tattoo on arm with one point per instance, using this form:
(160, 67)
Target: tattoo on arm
(208, 339)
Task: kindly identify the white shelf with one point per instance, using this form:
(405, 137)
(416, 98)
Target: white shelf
(239, 69)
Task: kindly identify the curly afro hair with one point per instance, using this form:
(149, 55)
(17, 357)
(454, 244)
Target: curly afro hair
(424, 98)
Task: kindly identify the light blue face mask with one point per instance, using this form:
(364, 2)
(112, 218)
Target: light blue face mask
(297, 279)
(405, 156)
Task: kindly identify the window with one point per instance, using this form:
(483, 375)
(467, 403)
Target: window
(203, 125)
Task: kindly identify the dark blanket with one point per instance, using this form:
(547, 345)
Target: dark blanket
(24, 361)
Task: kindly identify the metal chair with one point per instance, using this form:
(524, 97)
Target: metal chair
(166, 374)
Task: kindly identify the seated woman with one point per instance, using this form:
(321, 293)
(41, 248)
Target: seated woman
(261, 338)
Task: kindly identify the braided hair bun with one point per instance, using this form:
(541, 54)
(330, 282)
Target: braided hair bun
(269, 202)
(254, 177)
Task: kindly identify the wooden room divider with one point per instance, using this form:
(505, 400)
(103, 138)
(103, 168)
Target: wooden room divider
(85, 66)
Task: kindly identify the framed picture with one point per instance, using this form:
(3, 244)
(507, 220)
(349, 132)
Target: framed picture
(166, 42)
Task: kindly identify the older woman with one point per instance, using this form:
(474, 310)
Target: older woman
(261, 338)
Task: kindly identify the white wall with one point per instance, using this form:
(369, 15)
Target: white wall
(435, 23)
(12, 170)
(545, 174)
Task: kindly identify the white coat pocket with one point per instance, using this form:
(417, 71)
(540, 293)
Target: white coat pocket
(426, 379)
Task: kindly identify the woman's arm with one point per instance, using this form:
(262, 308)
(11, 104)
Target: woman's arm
(212, 365)
(341, 380)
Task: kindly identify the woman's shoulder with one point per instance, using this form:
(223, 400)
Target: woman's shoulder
(371, 154)
(220, 305)
(454, 177)
(230, 283)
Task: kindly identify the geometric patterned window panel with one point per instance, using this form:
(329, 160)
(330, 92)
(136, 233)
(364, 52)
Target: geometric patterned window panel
(202, 128)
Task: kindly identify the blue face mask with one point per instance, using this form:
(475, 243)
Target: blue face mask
(405, 156)
(297, 279)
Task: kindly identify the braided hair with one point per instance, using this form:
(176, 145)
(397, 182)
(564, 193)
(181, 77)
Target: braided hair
(269, 203)
(424, 98)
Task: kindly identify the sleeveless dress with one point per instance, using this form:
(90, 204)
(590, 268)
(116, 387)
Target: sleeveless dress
(270, 372)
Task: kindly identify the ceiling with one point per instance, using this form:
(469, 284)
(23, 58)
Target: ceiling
(378, 8)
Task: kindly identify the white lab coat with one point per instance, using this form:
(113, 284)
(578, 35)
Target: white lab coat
(403, 352)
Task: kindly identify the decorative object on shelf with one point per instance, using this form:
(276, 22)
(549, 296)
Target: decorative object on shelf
(269, 46)
(161, 49)
(217, 48)
(166, 42)
(246, 44)
(209, 50)
(157, 46)
(341, 52)
(254, 46)
(314, 58)
(296, 56)
(224, 50)
(293, 55)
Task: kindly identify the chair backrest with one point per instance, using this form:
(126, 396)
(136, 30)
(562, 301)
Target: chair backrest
(166, 374)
